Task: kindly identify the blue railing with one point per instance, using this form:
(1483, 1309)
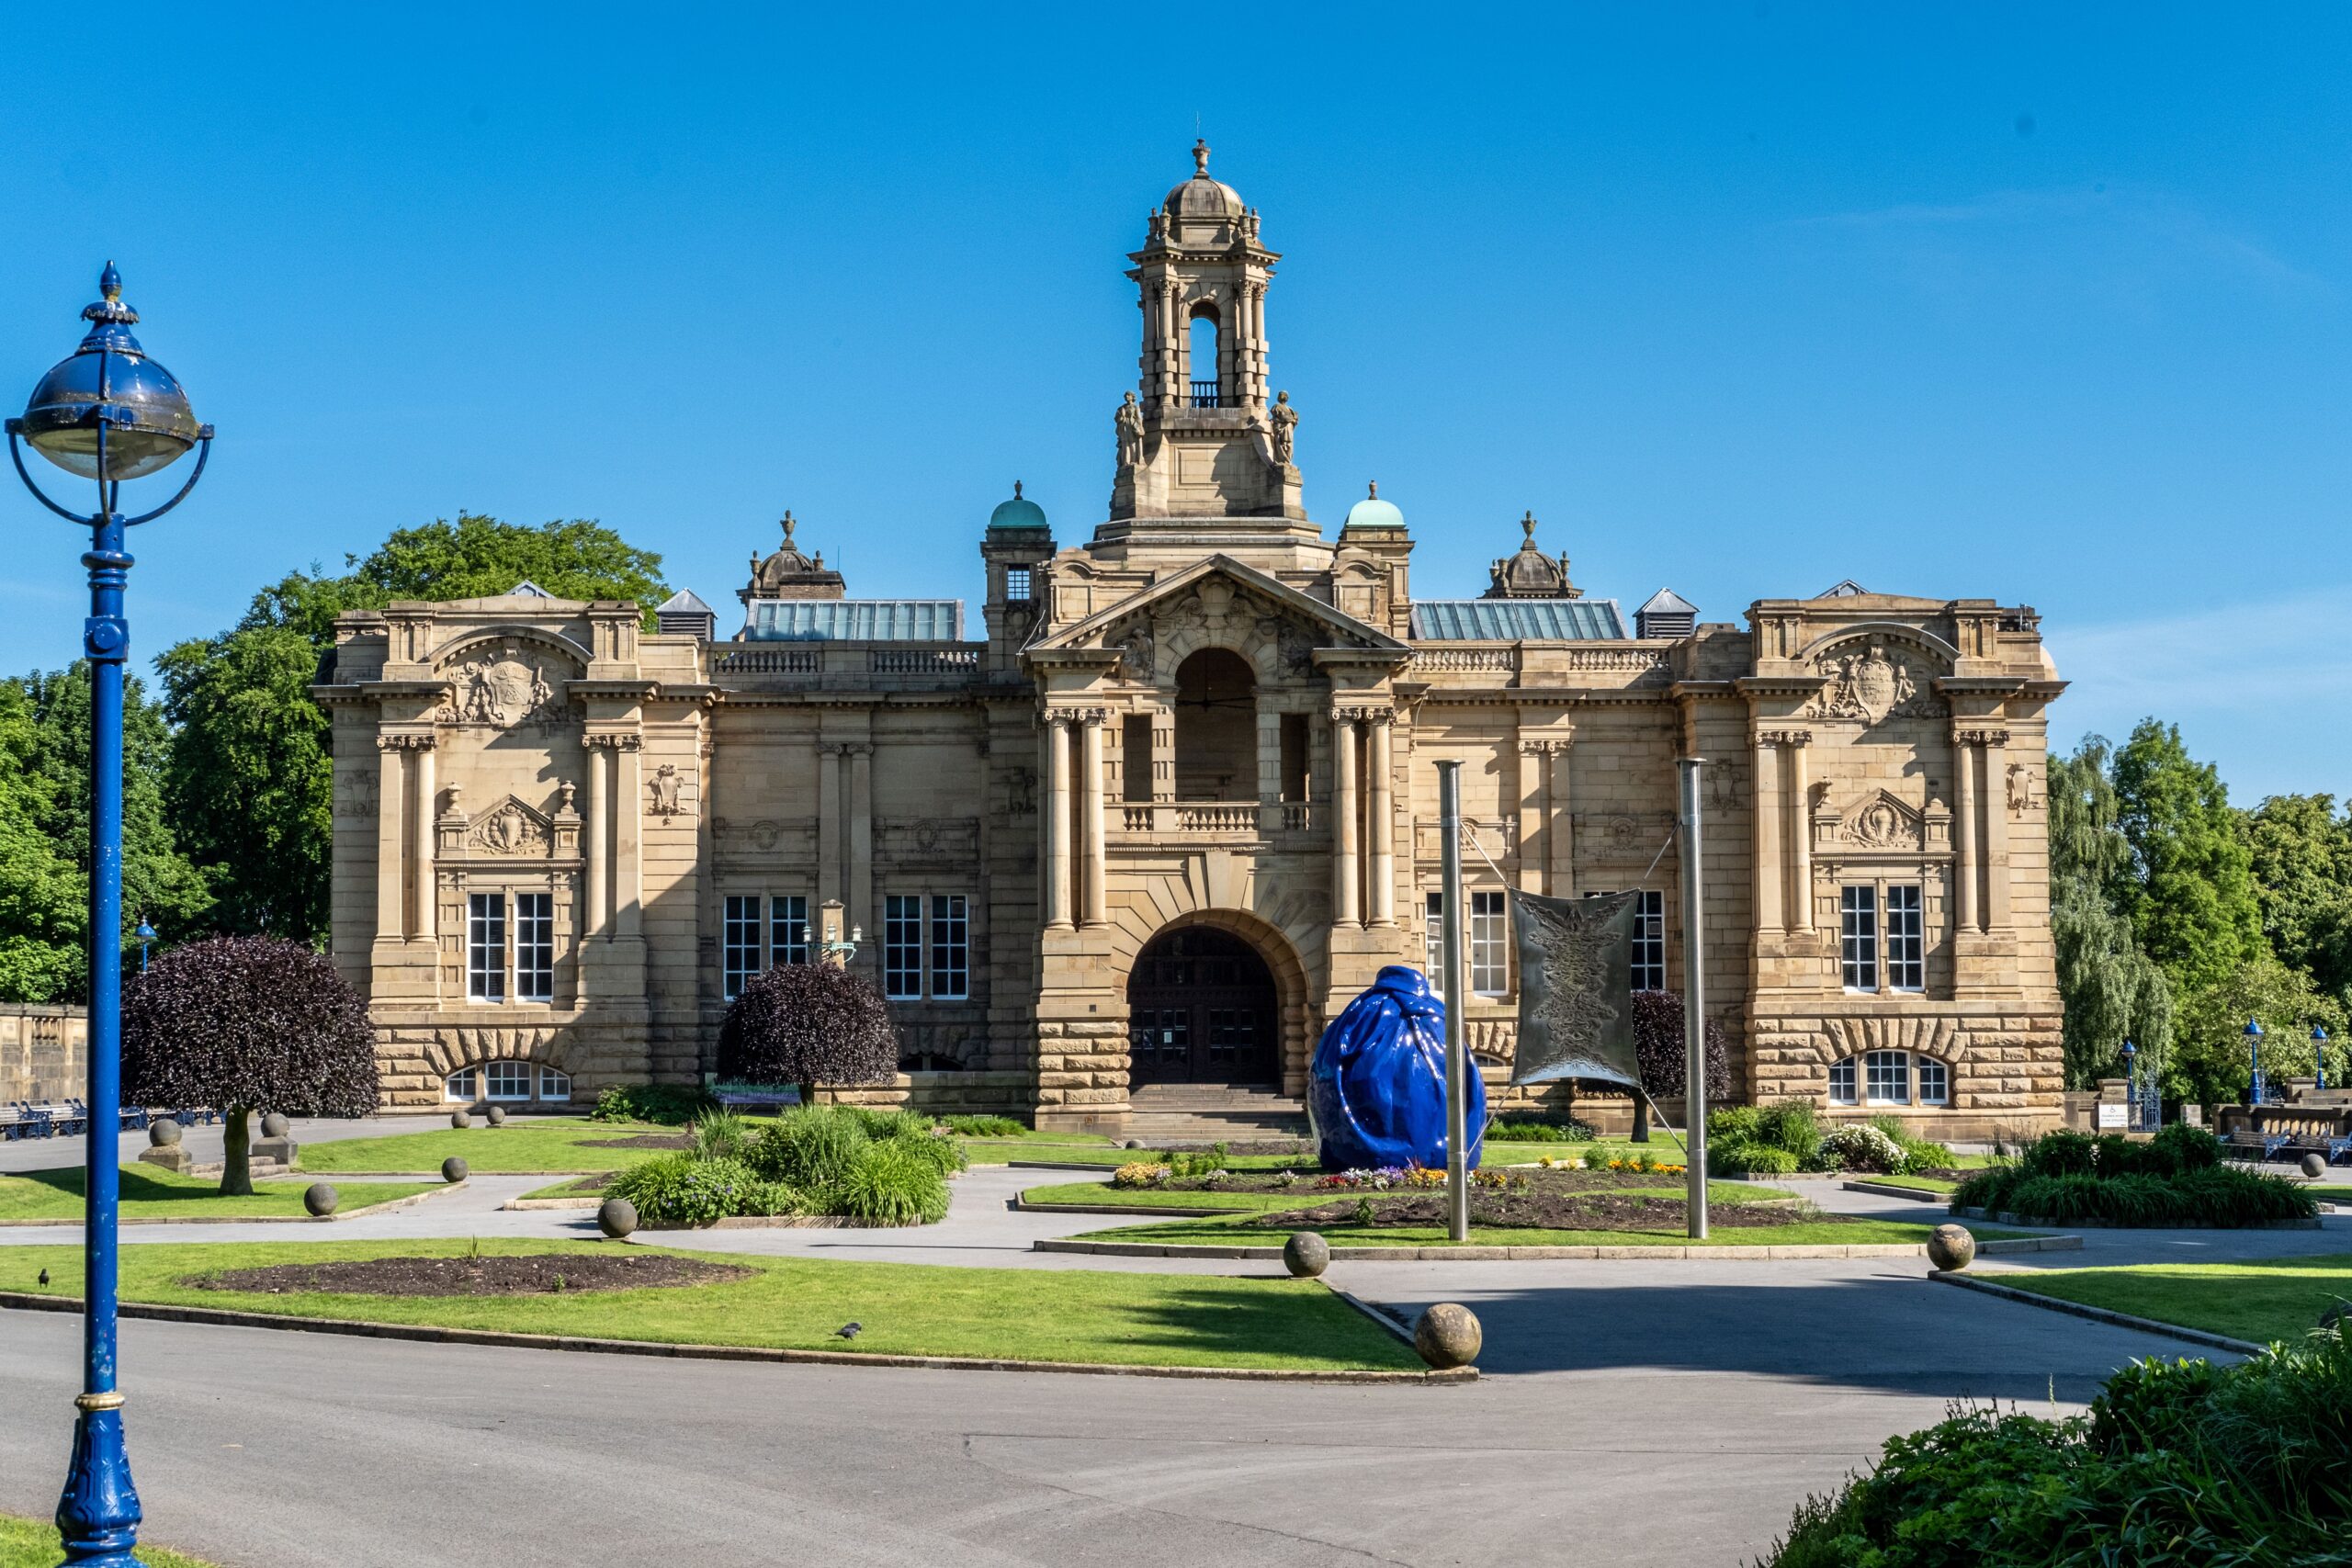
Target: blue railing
(1205, 395)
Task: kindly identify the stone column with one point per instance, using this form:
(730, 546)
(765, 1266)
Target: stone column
(1382, 911)
(1533, 787)
(1799, 819)
(1963, 866)
(1093, 905)
(1771, 878)
(628, 812)
(597, 830)
(1347, 812)
(1996, 829)
(1559, 825)
(1056, 803)
(428, 806)
(829, 825)
(391, 852)
(861, 840)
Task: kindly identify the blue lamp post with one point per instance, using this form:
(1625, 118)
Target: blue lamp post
(2131, 1081)
(107, 413)
(2254, 1056)
(2319, 1054)
(145, 933)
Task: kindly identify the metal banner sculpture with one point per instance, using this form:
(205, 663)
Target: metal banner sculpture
(1576, 1004)
(1378, 1091)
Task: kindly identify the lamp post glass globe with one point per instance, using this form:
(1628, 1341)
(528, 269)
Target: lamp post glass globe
(109, 397)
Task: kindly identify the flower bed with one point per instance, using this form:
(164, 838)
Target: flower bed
(872, 1167)
(2176, 1178)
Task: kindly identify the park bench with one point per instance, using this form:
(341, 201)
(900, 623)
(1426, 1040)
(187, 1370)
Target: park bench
(2264, 1132)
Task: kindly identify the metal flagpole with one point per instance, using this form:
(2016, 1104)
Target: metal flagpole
(1457, 990)
(1694, 1003)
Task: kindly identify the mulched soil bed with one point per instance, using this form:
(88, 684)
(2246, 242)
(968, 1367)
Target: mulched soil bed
(642, 1141)
(1543, 1181)
(1536, 1209)
(528, 1275)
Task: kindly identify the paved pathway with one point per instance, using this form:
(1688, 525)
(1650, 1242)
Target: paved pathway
(1633, 1414)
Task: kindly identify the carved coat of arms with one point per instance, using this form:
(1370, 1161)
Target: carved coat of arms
(1871, 685)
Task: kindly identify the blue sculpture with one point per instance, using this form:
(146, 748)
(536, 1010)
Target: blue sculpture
(1378, 1090)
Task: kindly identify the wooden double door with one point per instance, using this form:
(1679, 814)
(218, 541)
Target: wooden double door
(1201, 1010)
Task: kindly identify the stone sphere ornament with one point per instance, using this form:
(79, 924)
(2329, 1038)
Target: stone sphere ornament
(1448, 1336)
(617, 1217)
(320, 1200)
(453, 1169)
(1306, 1255)
(163, 1133)
(1951, 1247)
(2314, 1165)
(495, 1116)
(460, 1119)
(274, 1126)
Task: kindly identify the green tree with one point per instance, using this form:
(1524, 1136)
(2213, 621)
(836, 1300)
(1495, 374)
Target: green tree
(2111, 990)
(252, 779)
(2301, 855)
(42, 895)
(158, 881)
(2210, 1060)
(2191, 894)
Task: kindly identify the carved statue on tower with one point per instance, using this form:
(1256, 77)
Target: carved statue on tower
(1283, 419)
(1128, 421)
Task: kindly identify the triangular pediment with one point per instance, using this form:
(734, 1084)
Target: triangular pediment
(1211, 593)
(1880, 821)
(510, 828)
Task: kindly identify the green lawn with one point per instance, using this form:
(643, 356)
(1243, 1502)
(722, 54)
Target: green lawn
(1237, 1231)
(1102, 1192)
(149, 1192)
(27, 1543)
(525, 1144)
(2279, 1298)
(1029, 1315)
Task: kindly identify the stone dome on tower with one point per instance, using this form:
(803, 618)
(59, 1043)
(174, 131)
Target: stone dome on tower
(1201, 198)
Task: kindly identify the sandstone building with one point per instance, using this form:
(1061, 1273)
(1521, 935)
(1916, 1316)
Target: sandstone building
(1168, 802)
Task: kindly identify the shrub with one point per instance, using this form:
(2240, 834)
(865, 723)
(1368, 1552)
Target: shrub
(811, 1148)
(1738, 1157)
(889, 1183)
(667, 1104)
(2214, 1196)
(2177, 1462)
(1137, 1173)
(2061, 1153)
(720, 1134)
(247, 1024)
(1791, 1126)
(943, 1155)
(1522, 1131)
(676, 1191)
(1734, 1121)
(1918, 1153)
(888, 1122)
(984, 1126)
(1863, 1148)
(808, 1024)
(1187, 1165)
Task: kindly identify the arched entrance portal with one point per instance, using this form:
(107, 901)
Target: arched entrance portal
(1201, 1010)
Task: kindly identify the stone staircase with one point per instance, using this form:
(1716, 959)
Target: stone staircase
(1207, 1113)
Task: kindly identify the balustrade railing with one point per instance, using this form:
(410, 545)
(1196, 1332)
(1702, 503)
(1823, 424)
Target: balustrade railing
(1205, 395)
(772, 662)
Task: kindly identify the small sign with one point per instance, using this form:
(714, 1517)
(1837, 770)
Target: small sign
(2113, 1115)
(2193, 1115)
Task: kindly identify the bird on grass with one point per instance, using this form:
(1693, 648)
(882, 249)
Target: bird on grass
(44, 1276)
(849, 1330)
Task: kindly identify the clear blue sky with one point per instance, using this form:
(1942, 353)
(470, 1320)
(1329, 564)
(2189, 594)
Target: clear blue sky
(2044, 303)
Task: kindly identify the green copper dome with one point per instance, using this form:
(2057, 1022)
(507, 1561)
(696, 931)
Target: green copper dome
(1373, 513)
(1017, 515)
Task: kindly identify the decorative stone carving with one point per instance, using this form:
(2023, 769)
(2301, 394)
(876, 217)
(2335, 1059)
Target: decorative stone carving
(927, 838)
(499, 688)
(1871, 685)
(355, 794)
(1021, 792)
(1138, 653)
(1296, 648)
(1282, 428)
(664, 789)
(513, 829)
(2020, 788)
(1882, 822)
(1128, 423)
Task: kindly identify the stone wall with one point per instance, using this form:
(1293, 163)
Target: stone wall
(43, 1052)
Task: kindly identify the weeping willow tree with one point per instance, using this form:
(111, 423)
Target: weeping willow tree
(2112, 990)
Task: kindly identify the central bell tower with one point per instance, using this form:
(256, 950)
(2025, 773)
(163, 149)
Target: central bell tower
(1201, 437)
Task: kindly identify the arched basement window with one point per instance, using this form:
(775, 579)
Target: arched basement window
(1216, 727)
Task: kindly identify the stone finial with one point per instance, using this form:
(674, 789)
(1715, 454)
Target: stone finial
(788, 525)
(1372, 490)
(1200, 159)
(1528, 524)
